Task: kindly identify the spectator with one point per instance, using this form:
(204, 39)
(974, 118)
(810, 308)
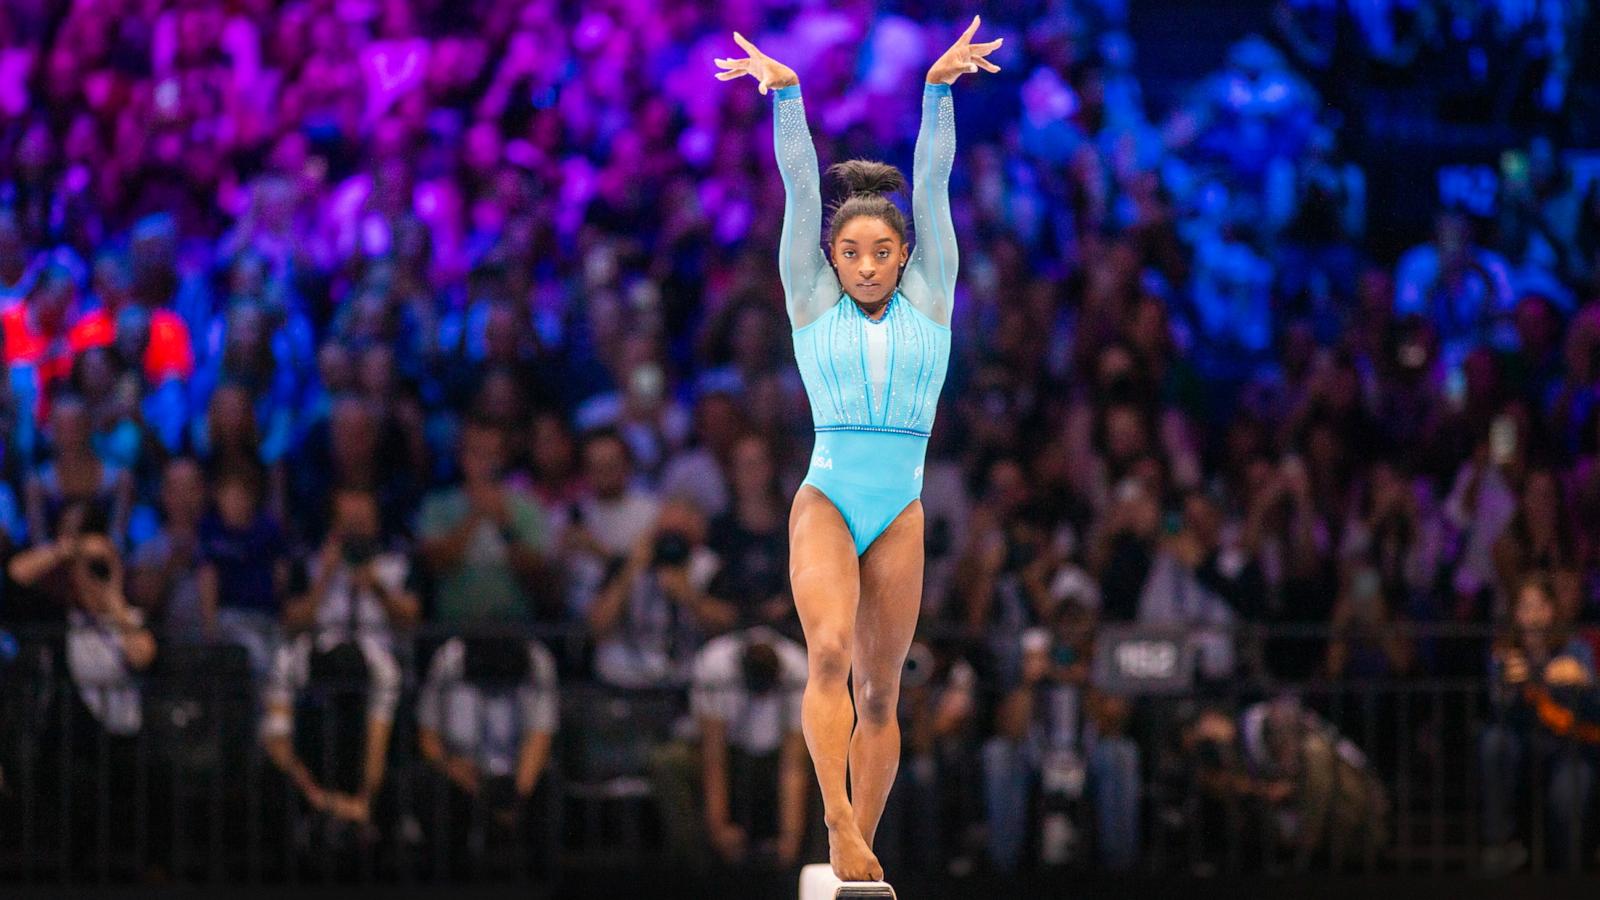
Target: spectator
(605, 525)
(346, 450)
(482, 542)
(329, 706)
(76, 474)
(39, 344)
(95, 739)
(1540, 538)
(752, 538)
(166, 566)
(1368, 638)
(1539, 660)
(1464, 289)
(746, 700)
(1059, 742)
(934, 817)
(553, 464)
(653, 611)
(1174, 595)
(485, 718)
(1341, 811)
(244, 570)
(357, 590)
(703, 474)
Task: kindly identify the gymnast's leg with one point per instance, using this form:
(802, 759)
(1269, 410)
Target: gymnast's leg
(886, 621)
(826, 579)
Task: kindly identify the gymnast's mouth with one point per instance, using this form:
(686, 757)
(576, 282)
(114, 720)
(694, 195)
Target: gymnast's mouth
(867, 284)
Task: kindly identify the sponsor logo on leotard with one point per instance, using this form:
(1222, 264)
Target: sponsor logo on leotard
(917, 473)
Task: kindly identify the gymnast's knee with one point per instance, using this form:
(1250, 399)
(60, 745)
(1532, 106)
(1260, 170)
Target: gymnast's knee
(828, 656)
(877, 700)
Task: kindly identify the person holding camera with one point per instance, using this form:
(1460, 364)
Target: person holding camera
(482, 541)
(94, 741)
(753, 778)
(1062, 742)
(603, 524)
(356, 588)
(1541, 677)
(654, 610)
(486, 717)
(357, 595)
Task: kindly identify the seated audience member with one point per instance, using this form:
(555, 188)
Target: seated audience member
(329, 712)
(165, 568)
(754, 771)
(244, 570)
(486, 716)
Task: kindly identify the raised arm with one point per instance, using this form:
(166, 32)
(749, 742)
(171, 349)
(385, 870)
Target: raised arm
(809, 285)
(930, 279)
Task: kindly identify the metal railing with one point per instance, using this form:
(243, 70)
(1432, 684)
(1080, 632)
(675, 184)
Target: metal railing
(191, 794)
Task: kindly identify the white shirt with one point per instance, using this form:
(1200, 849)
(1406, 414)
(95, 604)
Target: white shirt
(756, 725)
(487, 725)
(651, 645)
(1173, 596)
(696, 477)
(370, 617)
(100, 672)
(617, 525)
(291, 674)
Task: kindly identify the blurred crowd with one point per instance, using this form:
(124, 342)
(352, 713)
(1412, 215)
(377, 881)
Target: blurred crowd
(345, 339)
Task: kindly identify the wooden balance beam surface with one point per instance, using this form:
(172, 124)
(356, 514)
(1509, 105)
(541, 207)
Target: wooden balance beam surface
(817, 882)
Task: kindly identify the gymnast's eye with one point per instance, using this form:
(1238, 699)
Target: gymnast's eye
(883, 254)
(849, 254)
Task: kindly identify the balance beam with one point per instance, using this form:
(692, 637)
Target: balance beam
(817, 882)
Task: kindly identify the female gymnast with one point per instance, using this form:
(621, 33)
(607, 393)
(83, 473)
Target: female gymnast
(871, 321)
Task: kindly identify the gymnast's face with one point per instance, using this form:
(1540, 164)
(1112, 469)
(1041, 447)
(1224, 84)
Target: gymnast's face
(868, 256)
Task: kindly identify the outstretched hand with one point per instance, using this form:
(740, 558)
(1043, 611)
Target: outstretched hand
(963, 57)
(770, 73)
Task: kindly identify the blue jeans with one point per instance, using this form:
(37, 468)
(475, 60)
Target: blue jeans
(1115, 785)
(1011, 774)
(1502, 754)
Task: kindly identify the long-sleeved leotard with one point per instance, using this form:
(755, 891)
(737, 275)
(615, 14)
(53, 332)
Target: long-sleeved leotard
(809, 284)
(873, 385)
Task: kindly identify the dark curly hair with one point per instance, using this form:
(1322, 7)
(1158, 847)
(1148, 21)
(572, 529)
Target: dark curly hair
(867, 187)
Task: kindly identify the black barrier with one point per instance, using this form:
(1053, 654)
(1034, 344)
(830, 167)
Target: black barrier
(168, 776)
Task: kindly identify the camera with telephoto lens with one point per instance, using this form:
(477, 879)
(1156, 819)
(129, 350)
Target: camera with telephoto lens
(99, 568)
(671, 549)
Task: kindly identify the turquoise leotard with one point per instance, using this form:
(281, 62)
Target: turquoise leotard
(873, 385)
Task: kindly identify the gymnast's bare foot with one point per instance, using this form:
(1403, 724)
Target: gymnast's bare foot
(852, 859)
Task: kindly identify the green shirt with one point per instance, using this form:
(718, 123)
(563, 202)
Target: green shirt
(483, 586)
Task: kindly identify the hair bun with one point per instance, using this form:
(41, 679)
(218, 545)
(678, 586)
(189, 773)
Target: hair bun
(865, 176)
